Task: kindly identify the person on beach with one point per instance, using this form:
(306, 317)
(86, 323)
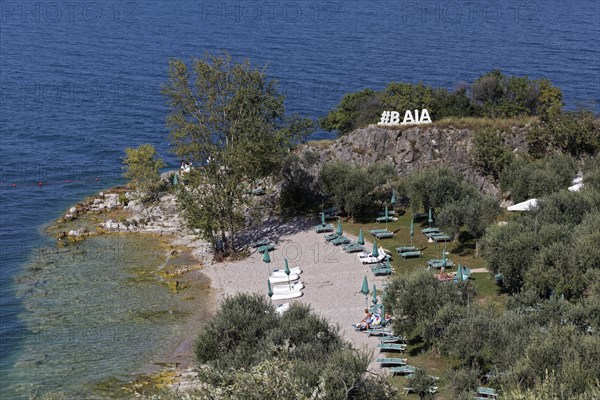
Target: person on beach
(366, 321)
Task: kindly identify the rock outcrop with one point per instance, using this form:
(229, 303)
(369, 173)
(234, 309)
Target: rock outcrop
(415, 149)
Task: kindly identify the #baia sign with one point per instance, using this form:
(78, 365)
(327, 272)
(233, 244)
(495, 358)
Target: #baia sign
(392, 118)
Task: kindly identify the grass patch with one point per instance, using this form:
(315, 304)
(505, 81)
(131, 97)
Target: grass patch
(484, 122)
(320, 144)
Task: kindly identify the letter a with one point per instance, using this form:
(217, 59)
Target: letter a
(408, 118)
(425, 119)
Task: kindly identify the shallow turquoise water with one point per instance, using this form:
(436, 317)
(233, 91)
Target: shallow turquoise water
(95, 312)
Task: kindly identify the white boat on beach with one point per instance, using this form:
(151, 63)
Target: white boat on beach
(285, 296)
(294, 287)
(277, 272)
(283, 278)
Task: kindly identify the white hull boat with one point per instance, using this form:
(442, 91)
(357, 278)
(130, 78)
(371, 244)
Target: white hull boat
(286, 289)
(283, 278)
(285, 296)
(277, 272)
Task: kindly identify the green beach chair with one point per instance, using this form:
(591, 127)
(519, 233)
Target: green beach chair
(324, 228)
(403, 370)
(384, 235)
(267, 247)
(410, 254)
(442, 238)
(372, 232)
(340, 240)
(426, 231)
(353, 248)
(391, 347)
(259, 243)
(391, 361)
(331, 236)
(402, 249)
(489, 392)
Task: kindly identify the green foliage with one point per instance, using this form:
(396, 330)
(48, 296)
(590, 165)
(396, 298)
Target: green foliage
(475, 213)
(490, 154)
(354, 188)
(525, 180)
(354, 111)
(421, 382)
(435, 187)
(142, 168)
(248, 351)
(300, 188)
(239, 329)
(413, 297)
(574, 133)
(500, 96)
(229, 119)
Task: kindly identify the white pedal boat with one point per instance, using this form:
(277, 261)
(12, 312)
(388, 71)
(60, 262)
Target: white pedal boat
(283, 278)
(277, 272)
(285, 296)
(286, 288)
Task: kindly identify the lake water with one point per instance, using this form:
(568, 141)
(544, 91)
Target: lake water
(80, 82)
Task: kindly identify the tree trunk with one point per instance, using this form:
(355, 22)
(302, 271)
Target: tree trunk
(477, 248)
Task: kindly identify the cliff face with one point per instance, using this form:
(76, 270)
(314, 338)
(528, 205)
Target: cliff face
(415, 149)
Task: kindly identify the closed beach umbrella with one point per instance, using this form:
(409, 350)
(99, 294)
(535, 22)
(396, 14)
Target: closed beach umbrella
(374, 294)
(269, 290)
(339, 230)
(375, 252)
(175, 179)
(459, 272)
(361, 238)
(387, 216)
(430, 218)
(323, 218)
(444, 263)
(393, 201)
(365, 290)
(287, 272)
(266, 257)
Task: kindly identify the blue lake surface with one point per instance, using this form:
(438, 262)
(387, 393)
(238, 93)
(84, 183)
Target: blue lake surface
(80, 82)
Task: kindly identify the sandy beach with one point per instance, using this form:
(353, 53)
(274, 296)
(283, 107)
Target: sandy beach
(332, 278)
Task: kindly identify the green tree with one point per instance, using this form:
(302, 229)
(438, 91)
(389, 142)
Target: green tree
(354, 188)
(421, 383)
(354, 111)
(229, 119)
(573, 133)
(490, 154)
(142, 168)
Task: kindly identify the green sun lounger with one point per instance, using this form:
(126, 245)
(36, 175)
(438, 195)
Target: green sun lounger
(402, 249)
(403, 370)
(324, 228)
(442, 238)
(372, 232)
(382, 271)
(340, 240)
(353, 248)
(384, 219)
(410, 254)
(391, 339)
(432, 235)
(331, 236)
(258, 243)
(391, 361)
(384, 235)
(391, 347)
(381, 332)
(437, 263)
(267, 247)
(430, 389)
(486, 391)
(426, 231)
